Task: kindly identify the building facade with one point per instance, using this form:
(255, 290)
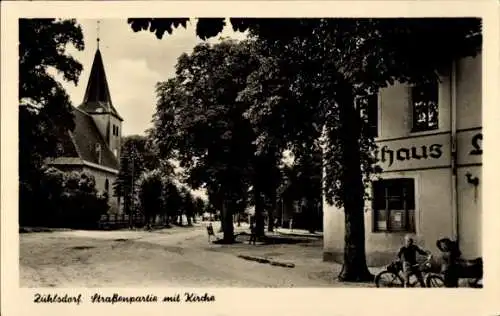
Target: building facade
(429, 147)
(94, 145)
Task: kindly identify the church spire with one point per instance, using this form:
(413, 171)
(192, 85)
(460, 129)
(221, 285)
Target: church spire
(97, 98)
(98, 29)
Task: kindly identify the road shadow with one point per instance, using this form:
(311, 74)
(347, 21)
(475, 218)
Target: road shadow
(275, 239)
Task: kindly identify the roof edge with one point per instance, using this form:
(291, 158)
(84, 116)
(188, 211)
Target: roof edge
(100, 167)
(71, 161)
(103, 113)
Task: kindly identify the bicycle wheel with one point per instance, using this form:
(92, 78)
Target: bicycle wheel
(388, 279)
(434, 280)
(476, 283)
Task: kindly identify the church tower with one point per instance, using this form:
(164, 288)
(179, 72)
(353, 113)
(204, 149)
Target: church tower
(97, 103)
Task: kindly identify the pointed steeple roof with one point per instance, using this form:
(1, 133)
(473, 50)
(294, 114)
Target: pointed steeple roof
(97, 98)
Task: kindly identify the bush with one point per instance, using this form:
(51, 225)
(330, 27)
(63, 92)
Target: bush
(40, 200)
(62, 200)
(82, 204)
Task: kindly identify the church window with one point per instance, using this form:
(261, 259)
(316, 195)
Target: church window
(98, 152)
(115, 130)
(106, 185)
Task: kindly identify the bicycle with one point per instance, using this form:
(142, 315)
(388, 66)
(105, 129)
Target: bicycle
(391, 276)
(472, 270)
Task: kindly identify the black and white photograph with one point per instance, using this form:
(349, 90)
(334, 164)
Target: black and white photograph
(190, 152)
(203, 152)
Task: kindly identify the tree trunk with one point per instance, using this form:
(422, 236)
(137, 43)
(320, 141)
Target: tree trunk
(311, 216)
(259, 211)
(221, 218)
(126, 209)
(227, 222)
(272, 211)
(270, 222)
(354, 268)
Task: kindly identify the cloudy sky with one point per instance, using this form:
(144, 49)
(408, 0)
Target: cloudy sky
(134, 63)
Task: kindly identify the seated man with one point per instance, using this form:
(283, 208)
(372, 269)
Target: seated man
(408, 256)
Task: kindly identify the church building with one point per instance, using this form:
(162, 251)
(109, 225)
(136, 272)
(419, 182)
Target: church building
(94, 145)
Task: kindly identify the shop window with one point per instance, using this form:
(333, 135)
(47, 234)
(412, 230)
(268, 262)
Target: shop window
(368, 107)
(425, 107)
(394, 205)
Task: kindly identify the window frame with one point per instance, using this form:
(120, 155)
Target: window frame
(371, 122)
(98, 150)
(408, 200)
(424, 126)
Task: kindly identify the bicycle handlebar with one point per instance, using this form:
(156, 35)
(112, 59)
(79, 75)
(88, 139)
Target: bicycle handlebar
(428, 260)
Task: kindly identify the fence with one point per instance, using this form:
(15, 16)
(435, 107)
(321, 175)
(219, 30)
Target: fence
(115, 221)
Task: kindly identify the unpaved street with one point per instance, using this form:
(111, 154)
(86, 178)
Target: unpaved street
(164, 258)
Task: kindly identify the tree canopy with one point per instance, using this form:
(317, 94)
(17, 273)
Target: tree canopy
(199, 121)
(44, 106)
(303, 92)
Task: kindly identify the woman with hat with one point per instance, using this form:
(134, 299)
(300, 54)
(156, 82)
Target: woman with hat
(450, 264)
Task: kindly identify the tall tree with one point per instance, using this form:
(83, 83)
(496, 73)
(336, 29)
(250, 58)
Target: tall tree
(172, 199)
(200, 205)
(188, 205)
(138, 154)
(328, 63)
(200, 122)
(44, 106)
(150, 194)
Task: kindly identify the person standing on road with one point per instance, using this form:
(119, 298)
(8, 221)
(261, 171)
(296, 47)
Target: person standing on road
(253, 233)
(210, 231)
(450, 257)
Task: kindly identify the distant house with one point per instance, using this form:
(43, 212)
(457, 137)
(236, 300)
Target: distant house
(94, 144)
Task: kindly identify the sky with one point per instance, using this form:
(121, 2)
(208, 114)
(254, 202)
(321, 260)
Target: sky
(134, 63)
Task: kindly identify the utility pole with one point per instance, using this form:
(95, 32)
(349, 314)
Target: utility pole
(131, 195)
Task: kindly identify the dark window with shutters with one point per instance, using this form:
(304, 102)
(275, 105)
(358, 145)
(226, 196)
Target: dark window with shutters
(394, 205)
